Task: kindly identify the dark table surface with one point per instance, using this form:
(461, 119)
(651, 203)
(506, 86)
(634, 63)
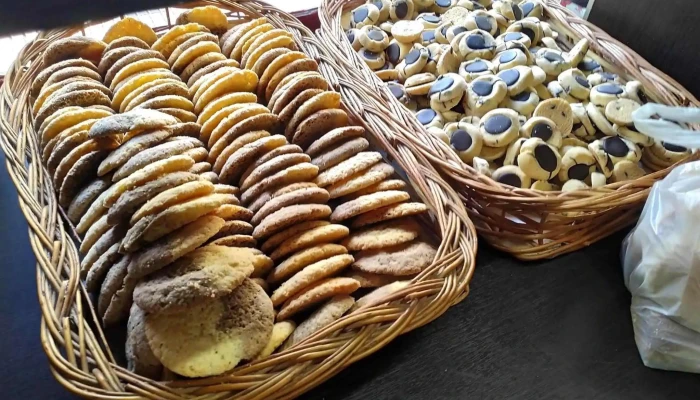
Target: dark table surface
(558, 329)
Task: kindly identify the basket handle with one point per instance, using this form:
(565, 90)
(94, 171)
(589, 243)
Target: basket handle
(661, 123)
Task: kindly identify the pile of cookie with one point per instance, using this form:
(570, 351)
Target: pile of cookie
(384, 238)
(490, 79)
(212, 187)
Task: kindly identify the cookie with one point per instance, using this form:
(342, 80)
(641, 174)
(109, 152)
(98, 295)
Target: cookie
(271, 167)
(379, 296)
(102, 245)
(130, 148)
(303, 172)
(348, 168)
(627, 171)
(236, 145)
(313, 127)
(407, 31)
(133, 121)
(74, 47)
(300, 65)
(83, 169)
(230, 212)
(559, 111)
(401, 260)
(115, 294)
(343, 151)
(234, 228)
(575, 83)
(366, 14)
(484, 94)
(262, 122)
(313, 195)
(41, 78)
(465, 139)
(317, 293)
(333, 137)
(384, 235)
(324, 316)
(390, 184)
(367, 203)
(133, 199)
(288, 216)
(352, 184)
(322, 101)
(372, 280)
(173, 246)
(98, 270)
(231, 328)
(577, 163)
(542, 128)
(80, 98)
(160, 152)
(620, 111)
(279, 62)
(388, 213)
(238, 81)
(263, 166)
(513, 176)
(206, 273)
(266, 59)
(204, 71)
(280, 333)
(84, 198)
(93, 213)
(204, 61)
(235, 241)
(539, 160)
(312, 237)
(303, 258)
(276, 239)
(309, 275)
(139, 356)
(293, 187)
(291, 92)
(179, 215)
(172, 197)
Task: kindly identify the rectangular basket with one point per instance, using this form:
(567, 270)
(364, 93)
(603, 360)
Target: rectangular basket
(78, 351)
(529, 224)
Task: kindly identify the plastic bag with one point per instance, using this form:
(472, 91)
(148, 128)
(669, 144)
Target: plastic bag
(661, 256)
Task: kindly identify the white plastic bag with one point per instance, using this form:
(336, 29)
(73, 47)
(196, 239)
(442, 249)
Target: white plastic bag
(661, 256)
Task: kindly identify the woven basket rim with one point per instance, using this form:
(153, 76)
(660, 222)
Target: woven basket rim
(449, 163)
(77, 349)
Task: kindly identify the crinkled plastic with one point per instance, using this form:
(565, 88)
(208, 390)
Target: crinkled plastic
(661, 256)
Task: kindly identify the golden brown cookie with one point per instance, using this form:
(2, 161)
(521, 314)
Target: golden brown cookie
(230, 212)
(125, 63)
(132, 83)
(130, 27)
(313, 127)
(74, 47)
(309, 275)
(209, 69)
(272, 167)
(133, 199)
(375, 174)
(399, 260)
(238, 32)
(303, 172)
(115, 298)
(388, 213)
(316, 293)
(159, 152)
(280, 333)
(98, 270)
(236, 145)
(288, 216)
(69, 119)
(293, 187)
(235, 241)
(324, 316)
(389, 184)
(130, 148)
(49, 70)
(93, 213)
(213, 337)
(303, 258)
(323, 101)
(127, 41)
(312, 195)
(241, 159)
(172, 197)
(201, 62)
(133, 121)
(279, 62)
(277, 239)
(266, 58)
(81, 172)
(388, 234)
(346, 169)
(80, 98)
(173, 246)
(379, 295)
(371, 280)
(234, 228)
(209, 16)
(83, 199)
(261, 122)
(368, 203)
(334, 155)
(103, 243)
(153, 89)
(310, 238)
(206, 273)
(274, 153)
(334, 138)
(294, 89)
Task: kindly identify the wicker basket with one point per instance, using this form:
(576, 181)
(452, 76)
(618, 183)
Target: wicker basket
(79, 355)
(529, 224)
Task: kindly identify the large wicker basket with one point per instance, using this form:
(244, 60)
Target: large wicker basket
(529, 224)
(77, 348)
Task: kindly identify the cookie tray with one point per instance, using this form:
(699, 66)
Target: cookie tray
(529, 224)
(78, 352)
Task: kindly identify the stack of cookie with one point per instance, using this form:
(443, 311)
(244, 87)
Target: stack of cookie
(490, 79)
(386, 244)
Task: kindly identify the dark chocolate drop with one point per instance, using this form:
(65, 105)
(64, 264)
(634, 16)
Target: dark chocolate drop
(517, 12)
(477, 66)
(497, 124)
(476, 42)
(443, 3)
(442, 83)
(611, 88)
(360, 14)
(378, 4)
(370, 55)
(529, 33)
(376, 34)
(397, 91)
(402, 10)
(393, 52)
(412, 56)
(579, 171)
(483, 23)
(510, 179)
(512, 36)
(426, 116)
(673, 147)
(589, 65)
(459, 29)
(508, 56)
(615, 146)
(582, 81)
(542, 131)
(432, 18)
(607, 76)
(527, 8)
(553, 57)
(428, 36)
(524, 96)
(482, 88)
(546, 158)
(461, 140)
(510, 76)
(351, 36)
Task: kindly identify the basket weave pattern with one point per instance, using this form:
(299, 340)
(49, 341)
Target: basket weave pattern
(529, 224)
(80, 358)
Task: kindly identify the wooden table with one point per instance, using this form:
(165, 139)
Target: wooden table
(557, 329)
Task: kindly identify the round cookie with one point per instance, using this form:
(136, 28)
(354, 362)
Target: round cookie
(575, 83)
(505, 39)
(312, 237)
(605, 93)
(489, 153)
(289, 216)
(303, 258)
(513, 176)
(475, 44)
(559, 111)
(627, 171)
(216, 270)
(316, 293)
(419, 84)
(551, 61)
(312, 195)
(509, 58)
(334, 137)
(635, 91)
(499, 127)
(397, 51)
(596, 115)
(400, 260)
(352, 184)
(600, 78)
(620, 111)
(383, 235)
(309, 275)
(367, 203)
(577, 163)
(366, 14)
(485, 94)
(401, 10)
(387, 213)
(482, 20)
(372, 38)
(343, 151)
(447, 87)
(231, 328)
(321, 318)
(465, 139)
(414, 62)
(543, 128)
(523, 103)
(347, 168)
(472, 69)
(539, 160)
(516, 79)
